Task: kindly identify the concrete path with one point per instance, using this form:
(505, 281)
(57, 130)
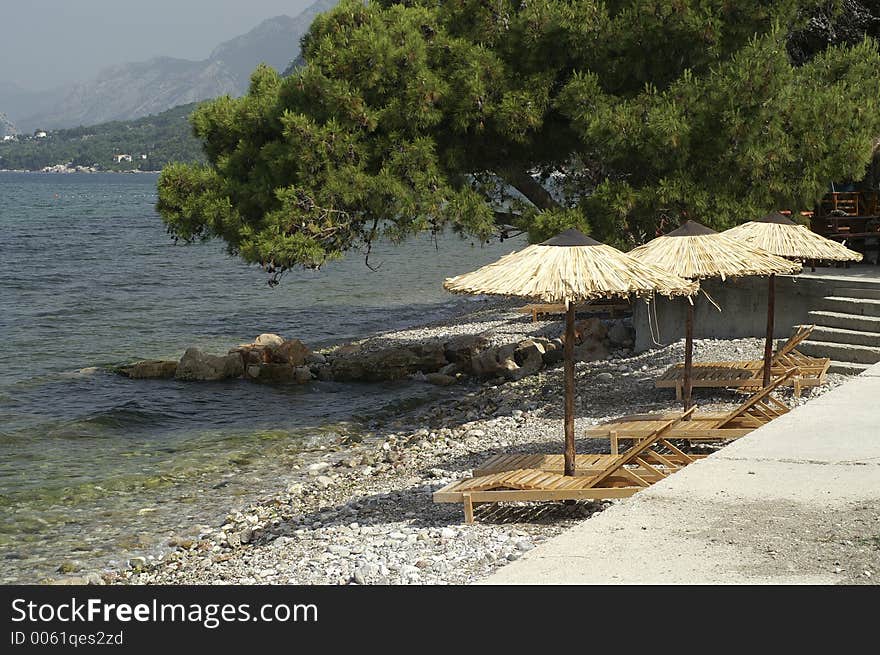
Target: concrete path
(797, 501)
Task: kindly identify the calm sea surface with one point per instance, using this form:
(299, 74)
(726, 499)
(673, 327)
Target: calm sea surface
(95, 467)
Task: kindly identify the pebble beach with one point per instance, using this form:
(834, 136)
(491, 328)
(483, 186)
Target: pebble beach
(360, 511)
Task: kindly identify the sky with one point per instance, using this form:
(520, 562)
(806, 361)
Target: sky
(47, 43)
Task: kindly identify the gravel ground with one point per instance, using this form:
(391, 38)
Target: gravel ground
(362, 513)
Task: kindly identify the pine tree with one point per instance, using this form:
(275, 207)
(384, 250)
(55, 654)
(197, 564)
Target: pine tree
(621, 117)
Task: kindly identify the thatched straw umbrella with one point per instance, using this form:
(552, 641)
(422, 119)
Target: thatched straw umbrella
(569, 268)
(696, 252)
(778, 234)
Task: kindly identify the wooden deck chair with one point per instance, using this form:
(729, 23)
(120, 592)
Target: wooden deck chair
(759, 409)
(611, 306)
(617, 476)
(748, 374)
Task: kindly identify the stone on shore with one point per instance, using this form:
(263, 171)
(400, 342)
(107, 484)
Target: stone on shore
(553, 352)
(292, 352)
(149, 369)
(461, 350)
(529, 356)
(393, 363)
(197, 365)
(302, 374)
(440, 379)
(268, 340)
(272, 373)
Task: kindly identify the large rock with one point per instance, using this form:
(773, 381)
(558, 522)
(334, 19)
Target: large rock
(150, 369)
(302, 374)
(272, 373)
(554, 352)
(485, 363)
(268, 340)
(197, 365)
(498, 361)
(461, 350)
(293, 353)
(395, 363)
(252, 355)
(529, 356)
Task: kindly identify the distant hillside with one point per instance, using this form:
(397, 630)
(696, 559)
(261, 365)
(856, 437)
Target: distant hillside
(139, 89)
(6, 126)
(163, 138)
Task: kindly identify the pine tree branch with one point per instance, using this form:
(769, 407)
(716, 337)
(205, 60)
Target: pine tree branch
(526, 185)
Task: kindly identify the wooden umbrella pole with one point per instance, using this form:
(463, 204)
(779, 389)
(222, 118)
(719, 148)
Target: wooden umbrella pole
(768, 345)
(688, 355)
(569, 389)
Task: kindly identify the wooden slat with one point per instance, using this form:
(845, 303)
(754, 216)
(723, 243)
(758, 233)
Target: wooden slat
(639, 448)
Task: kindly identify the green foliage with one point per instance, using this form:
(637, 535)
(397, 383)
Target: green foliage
(551, 222)
(164, 138)
(423, 116)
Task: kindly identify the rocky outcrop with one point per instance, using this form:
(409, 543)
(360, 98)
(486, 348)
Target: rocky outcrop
(268, 359)
(529, 357)
(385, 364)
(150, 369)
(198, 365)
(279, 373)
(461, 350)
(290, 353)
(272, 359)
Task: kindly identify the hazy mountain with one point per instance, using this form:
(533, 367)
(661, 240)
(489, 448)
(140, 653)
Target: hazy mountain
(17, 102)
(133, 90)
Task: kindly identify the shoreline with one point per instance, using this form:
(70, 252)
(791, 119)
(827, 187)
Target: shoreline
(362, 512)
(72, 171)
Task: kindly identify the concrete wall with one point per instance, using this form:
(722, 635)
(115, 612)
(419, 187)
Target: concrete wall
(743, 303)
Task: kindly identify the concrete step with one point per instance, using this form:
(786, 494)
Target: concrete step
(844, 321)
(849, 292)
(845, 305)
(847, 368)
(842, 352)
(841, 335)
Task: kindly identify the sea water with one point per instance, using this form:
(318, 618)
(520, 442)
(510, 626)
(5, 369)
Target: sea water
(95, 467)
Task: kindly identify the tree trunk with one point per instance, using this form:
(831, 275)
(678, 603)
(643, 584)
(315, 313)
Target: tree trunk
(569, 389)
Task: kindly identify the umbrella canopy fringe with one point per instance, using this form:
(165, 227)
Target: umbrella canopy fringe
(711, 255)
(795, 241)
(574, 273)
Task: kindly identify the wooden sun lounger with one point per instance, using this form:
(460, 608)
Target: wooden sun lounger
(748, 374)
(609, 476)
(759, 409)
(610, 306)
